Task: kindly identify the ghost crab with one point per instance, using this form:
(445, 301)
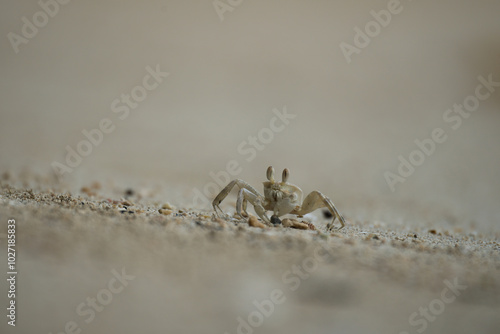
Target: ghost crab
(280, 197)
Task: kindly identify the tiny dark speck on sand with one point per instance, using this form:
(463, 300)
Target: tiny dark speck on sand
(327, 214)
(275, 220)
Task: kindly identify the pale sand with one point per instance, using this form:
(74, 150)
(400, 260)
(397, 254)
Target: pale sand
(194, 274)
(352, 123)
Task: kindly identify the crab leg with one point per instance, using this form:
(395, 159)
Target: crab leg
(245, 195)
(316, 200)
(224, 192)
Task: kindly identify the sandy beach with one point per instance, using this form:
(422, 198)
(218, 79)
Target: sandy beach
(187, 271)
(120, 123)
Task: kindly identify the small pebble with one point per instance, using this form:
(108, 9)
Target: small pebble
(294, 223)
(165, 212)
(167, 206)
(288, 222)
(300, 226)
(372, 236)
(254, 222)
(275, 220)
(311, 226)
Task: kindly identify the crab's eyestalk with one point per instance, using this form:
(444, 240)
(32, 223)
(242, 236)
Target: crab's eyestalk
(286, 174)
(270, 173)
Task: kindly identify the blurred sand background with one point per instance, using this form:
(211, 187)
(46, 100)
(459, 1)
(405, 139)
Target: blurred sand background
(352, 121)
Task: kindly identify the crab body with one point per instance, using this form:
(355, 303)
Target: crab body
(279, 197)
